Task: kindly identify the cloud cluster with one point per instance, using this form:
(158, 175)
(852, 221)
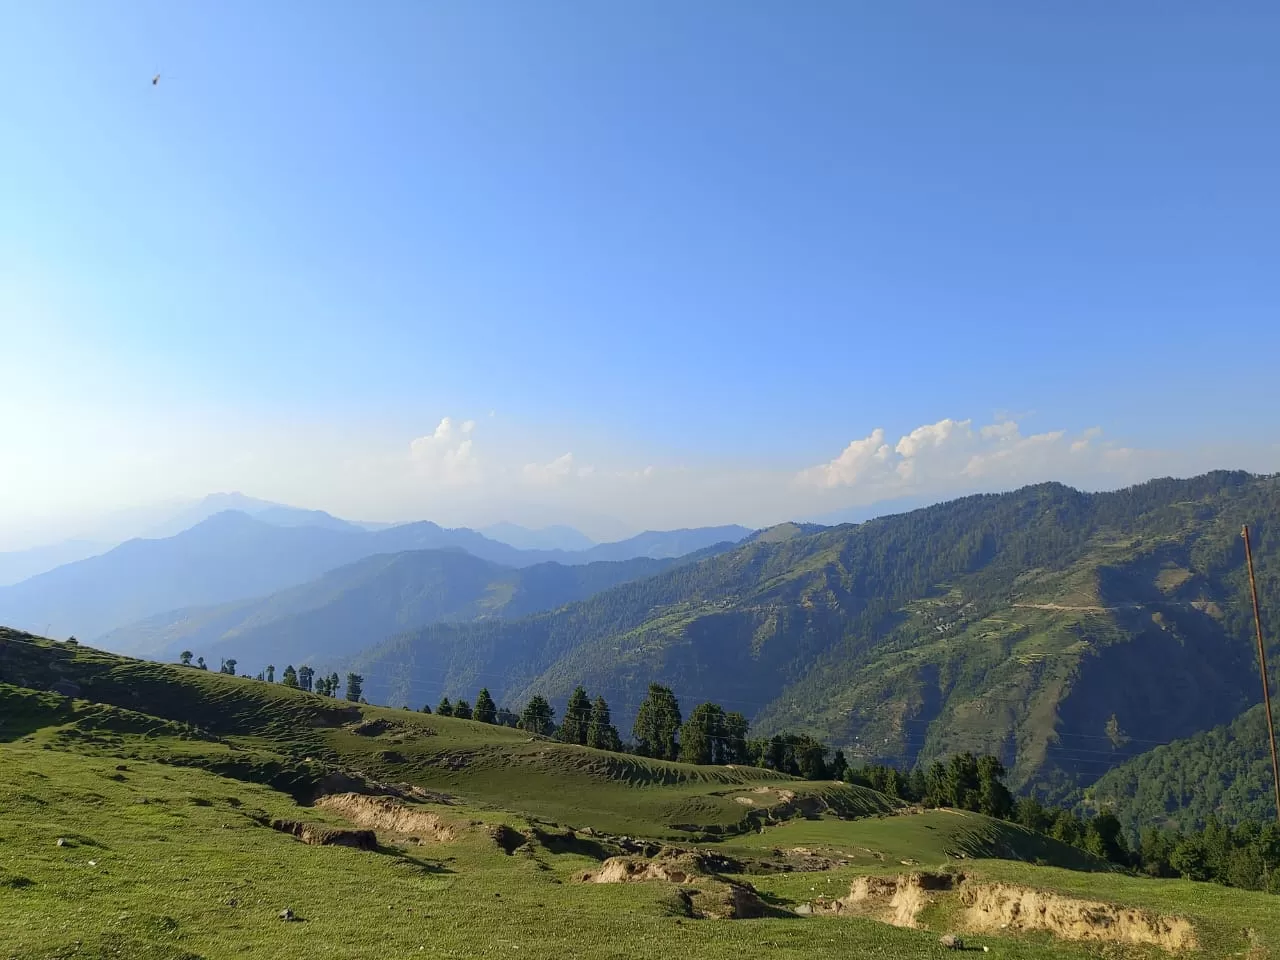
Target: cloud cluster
(445, 456)
(549, 474)
(955, 454)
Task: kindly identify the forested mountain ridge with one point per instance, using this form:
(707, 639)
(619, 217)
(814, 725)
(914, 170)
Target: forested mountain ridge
(357, 605)
(1224, 773)
(1059, 629)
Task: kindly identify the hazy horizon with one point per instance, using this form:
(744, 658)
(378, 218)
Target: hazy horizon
(628, 268)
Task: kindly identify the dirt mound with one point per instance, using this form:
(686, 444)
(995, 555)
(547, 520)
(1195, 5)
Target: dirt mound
(373, 728)
(705, 896)
(638, 870)
(324, 836)
(510, 840)
(893, 900)
(382, 813)
(718, 900)
(996, 906)
(999, 908)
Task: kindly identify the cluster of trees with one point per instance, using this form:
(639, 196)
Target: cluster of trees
(302, 678)
(586, 722)
(1246, 856)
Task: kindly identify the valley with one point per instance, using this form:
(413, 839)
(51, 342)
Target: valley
(1093, 649)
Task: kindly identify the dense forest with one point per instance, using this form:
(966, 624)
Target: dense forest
(1223, 774)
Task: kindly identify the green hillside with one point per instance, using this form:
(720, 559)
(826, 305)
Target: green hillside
(1224, 772)
(358, 605)
(169, 813)
(1063, 631)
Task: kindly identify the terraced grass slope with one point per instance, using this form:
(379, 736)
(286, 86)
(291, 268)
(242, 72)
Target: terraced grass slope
(1065, 632)
(247, 729)
(138, 831)
(913, 838)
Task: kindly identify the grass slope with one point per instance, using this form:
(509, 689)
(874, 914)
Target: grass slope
(132, 829)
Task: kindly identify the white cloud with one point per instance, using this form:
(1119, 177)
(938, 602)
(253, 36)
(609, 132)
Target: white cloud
(549, 474)
(951, 454)
(445, 456)
(860, 460)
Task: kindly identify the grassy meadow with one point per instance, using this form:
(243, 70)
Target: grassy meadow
(135, 822)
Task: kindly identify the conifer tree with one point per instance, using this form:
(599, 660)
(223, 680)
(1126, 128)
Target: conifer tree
(577, 718)
(601, 732)
(538, 716)
(486, 710)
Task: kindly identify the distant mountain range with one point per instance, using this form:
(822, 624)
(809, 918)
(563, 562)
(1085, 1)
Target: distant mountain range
(558, 537)
(358, 605)
(18, 565)
(1063, 631)
(234, 556)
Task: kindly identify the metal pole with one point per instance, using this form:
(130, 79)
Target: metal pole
(1262, 664)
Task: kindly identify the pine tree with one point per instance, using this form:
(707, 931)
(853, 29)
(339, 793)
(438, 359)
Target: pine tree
(462, 710)
(426, 708)
(657, 723)
(577, 718)
(917, 785)
(333, 684)
(538, 717)
(354, 684)
(486, 710)
(994, 798)
(839, 766)
(305, 675)
(271, 673)
(185, 657)
(290, 677)
(601, 732)
(702, 734)
(734, 744)
(444, 708)
(228, 667)
(200, 663)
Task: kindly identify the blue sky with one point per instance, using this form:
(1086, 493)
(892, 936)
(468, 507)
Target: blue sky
(699, 248)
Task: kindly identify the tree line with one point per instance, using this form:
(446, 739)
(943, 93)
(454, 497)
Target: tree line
(1245, 856)
(302, 678)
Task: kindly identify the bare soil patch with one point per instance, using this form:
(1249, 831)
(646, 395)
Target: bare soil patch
(996, 906)
(704, 895)
(324, 836)
(1001, 908)
(385, 814)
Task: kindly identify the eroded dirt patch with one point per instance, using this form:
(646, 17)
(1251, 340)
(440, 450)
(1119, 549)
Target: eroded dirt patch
(1001, 908)
(325, 836)
(705, 896)
(996, 906)
(391, 816)
(893, 900)
(508, 838)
